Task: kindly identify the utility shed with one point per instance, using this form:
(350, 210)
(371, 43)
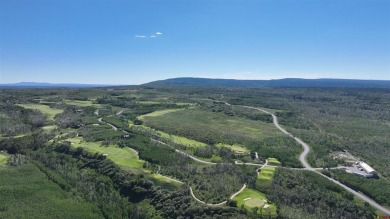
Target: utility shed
(367, 168)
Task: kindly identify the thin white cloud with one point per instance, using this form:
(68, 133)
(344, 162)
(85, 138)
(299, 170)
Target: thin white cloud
(158, 33)
(140, 36)
(153, 36)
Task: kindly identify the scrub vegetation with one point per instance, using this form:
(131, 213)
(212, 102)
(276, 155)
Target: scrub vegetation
(115, 153)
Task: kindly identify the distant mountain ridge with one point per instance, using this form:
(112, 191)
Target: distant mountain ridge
(287, 82)
(50, 85)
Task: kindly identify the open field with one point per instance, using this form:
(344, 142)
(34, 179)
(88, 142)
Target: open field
(273, 161)
(3, 158)
(267, 173)
(126, 157)
(236, 148)
(210, 127)
(81, 103)
(49, 127)
(27, 193)
(50, 112)
(182, 140)
(192, 144)
(158, 113)
(251, 198)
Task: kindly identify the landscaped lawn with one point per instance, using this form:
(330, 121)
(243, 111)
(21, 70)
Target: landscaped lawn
(273, 161)
(50, 112)
(251, 198)
(266, 173)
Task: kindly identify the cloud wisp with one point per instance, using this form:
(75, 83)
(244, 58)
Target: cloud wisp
(155, 35)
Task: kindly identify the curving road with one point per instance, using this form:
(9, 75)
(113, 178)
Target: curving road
(302, 158)
(217, 204)
(194, 158)
(307, 166)
(306, 148)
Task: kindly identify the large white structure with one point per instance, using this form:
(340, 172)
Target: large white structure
(367, 168)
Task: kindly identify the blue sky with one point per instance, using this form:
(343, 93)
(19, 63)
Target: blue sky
(101, 41)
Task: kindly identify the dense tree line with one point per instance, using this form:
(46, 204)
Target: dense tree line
(376, 188)
(304, 194)
(16, 120)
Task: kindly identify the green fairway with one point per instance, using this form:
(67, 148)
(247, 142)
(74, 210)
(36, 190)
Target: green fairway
(126, 156)
(273, 161)
(254, 202)
(50, 112)
(236, 148)
(266, 173)
(182, 140)
(49, 127)
(3, 158)
(175, 138)
(158, 113)
(251, 198)
(26, 192)
(148, 102)
(81, 103)
(210, 127)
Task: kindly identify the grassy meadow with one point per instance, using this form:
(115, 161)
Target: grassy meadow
(125, 157)
(50, 112)
(3, 158)
(209, 127)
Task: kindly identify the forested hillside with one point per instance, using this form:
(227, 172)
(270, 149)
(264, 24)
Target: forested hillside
(185, 152)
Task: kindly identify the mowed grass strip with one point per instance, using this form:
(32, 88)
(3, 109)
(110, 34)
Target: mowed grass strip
(81, 103)
(273, 161)
(266, 173)
(236, 148)
(158, 113)
(126, 156)
(210, 127)
(26, 192)
(175, 138)
(3, 158)
(250, 198)
(182, 140)
(50, 112)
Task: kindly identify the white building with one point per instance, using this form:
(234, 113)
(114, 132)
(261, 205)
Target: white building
(367, 168)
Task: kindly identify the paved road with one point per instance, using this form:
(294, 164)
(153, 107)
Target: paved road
(112, 126)
(306, 148)
(235, 194)
(217, 204)
(360, 195)
(302, 158)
